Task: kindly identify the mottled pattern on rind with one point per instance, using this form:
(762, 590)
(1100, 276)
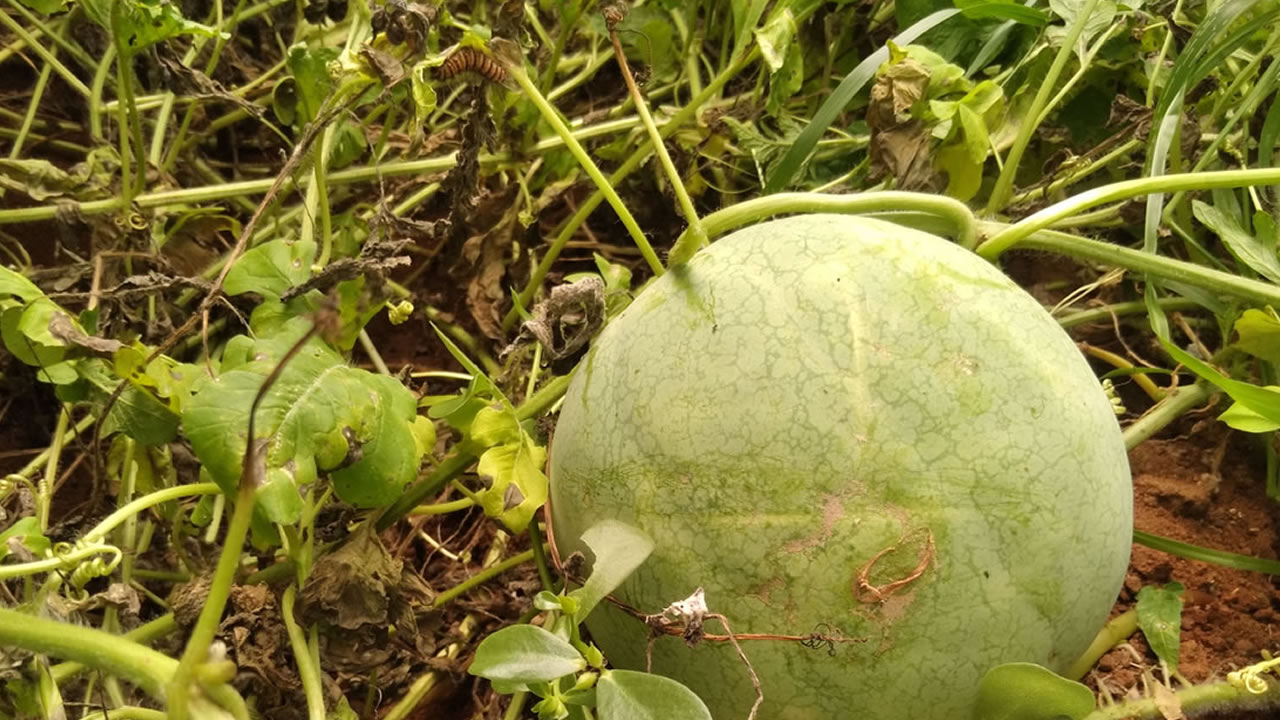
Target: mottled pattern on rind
(840, 385)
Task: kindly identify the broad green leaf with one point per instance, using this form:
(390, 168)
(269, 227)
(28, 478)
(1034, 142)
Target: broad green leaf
(1101, 19)
(318, 415)
(1160, 617)
(631, 695)
(390, 447)
(136, 412)
(1003, 10)
(493, 426)
(1258, 254)
(139, 24)
(12, 283)
(1258, 334)
(964, 154)
(517, 486)
(1025, 691)
(525, 654)
(28, 529)
(1241, 418)
(310, 69)
(619, 549)
(272, 267)
(25, 333)
(774, 39)
(45, 7)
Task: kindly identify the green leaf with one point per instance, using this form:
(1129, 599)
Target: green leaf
(1257, 254)
(1250, 563)
(1101, 19)
(1241, 418)
(28, 528)
(1160, 617)
(964, 154)
(271, 268)
(1258, 334)
(390, 448)
(630, 695)
(774, 39)
(517, 486)
(136, 412)
(143, 23)
(1003, 10)
(45, 7)
(310, 68)
(619, 549)
(12, 283)
(1025, 691)
(423, 90)
(525, 654)
(318, 415)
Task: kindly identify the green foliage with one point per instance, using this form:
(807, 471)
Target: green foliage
(619, 549)
(26, 532)
(545, 662)
(319, 415)
(1025, 691)
(139, 24)
(511, 462)
(1160, 617)
(272, 267)
(521, 655)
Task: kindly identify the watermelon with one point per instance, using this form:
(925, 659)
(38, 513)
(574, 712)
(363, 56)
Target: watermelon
(878, 455)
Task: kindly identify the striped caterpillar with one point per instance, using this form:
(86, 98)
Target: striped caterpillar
(472, 60)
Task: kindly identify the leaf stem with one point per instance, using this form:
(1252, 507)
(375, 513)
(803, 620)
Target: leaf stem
(153, 630)
(1014, 234)
(754, 210)
(695, 236)
(482, 577)
(1039, 106)
(44, 497)
(1116, 631)
(552, 118)
(206, 626)
(307, 670)
(1174, 405)
(113, 654)
(110, 522)
(1192, 700)
(45, 54)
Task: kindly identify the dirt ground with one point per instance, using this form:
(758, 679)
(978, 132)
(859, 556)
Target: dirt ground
(1205, 486)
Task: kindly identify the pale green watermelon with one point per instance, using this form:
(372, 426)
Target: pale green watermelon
(813, 393)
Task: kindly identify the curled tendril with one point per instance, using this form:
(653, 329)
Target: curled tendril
(85, 561)
(10, 482)
(1251, 679)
